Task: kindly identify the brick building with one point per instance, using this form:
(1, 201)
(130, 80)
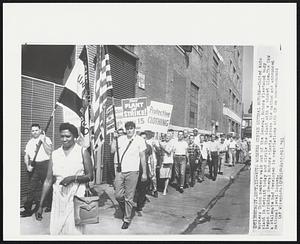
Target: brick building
(204, 84)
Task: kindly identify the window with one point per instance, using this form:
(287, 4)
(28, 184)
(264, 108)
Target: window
(193, 105)
(215, 68)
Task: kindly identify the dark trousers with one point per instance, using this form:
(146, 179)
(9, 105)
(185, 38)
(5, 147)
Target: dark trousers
(202, 167)
(194, 167)
(173, 178)
(213, 166)
(141, 190)
(36, 178)
(180, 166)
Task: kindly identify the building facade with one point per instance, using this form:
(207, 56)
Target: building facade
(203, 83)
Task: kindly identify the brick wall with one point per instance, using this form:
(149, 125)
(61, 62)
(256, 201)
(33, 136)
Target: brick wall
(169, 72)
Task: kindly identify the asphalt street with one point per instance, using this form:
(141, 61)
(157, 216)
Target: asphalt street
(174, 213)
(230, 214)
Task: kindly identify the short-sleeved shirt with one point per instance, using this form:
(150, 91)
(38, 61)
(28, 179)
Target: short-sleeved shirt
(232, 144)
(204, 150)
(31, 147)
(214, 146)
(180, 147)
(223, 147)
(168, 158)
(197, 140)
(131, 159)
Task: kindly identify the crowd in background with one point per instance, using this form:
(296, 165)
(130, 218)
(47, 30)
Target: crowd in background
(185, 158)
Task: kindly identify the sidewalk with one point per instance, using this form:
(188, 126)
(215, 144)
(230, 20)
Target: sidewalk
(170, 214)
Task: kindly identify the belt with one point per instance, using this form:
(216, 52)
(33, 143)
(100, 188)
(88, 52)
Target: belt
(40, 162)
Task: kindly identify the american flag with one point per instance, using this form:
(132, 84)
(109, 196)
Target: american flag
(103, 85)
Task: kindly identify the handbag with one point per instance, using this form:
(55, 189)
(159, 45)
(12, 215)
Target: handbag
(86, 209)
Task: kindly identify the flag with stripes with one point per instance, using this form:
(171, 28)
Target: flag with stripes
(103, 84)
(75, 97)
(110, 122)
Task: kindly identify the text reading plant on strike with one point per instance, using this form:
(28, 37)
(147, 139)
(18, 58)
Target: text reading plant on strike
(135, 113)
(134, 105)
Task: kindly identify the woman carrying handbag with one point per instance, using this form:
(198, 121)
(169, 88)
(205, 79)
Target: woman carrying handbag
(69, 170)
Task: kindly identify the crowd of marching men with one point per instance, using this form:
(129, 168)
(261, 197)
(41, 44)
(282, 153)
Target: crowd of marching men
(142, 165)
(182, 160)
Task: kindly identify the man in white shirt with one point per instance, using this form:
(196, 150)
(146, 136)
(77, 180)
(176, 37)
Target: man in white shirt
(172, 140)
(180, 160)
(204, 150)
(227, 140)
(196, 136)
(214, 157)
(132, 153)
(223, 148)
(37, 166)
(232, 151)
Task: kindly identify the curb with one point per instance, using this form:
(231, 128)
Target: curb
(202, 215)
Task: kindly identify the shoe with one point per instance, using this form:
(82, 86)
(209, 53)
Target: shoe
(125, 225)
(164, 193)
(26, 213)
(214, 179)
(138, 209)
(181, 189)
(155, 194)
(47, 209)
(221, 173)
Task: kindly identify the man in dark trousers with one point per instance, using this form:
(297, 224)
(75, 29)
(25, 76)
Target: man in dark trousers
(214, 157)
(193, 159)
(37, 170)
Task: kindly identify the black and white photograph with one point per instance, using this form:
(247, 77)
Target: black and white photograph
(187, 110)
(149, 121)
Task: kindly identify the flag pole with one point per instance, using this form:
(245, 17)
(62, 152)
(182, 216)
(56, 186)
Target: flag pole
(45, 130)
(87, 87)
(115, 121)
